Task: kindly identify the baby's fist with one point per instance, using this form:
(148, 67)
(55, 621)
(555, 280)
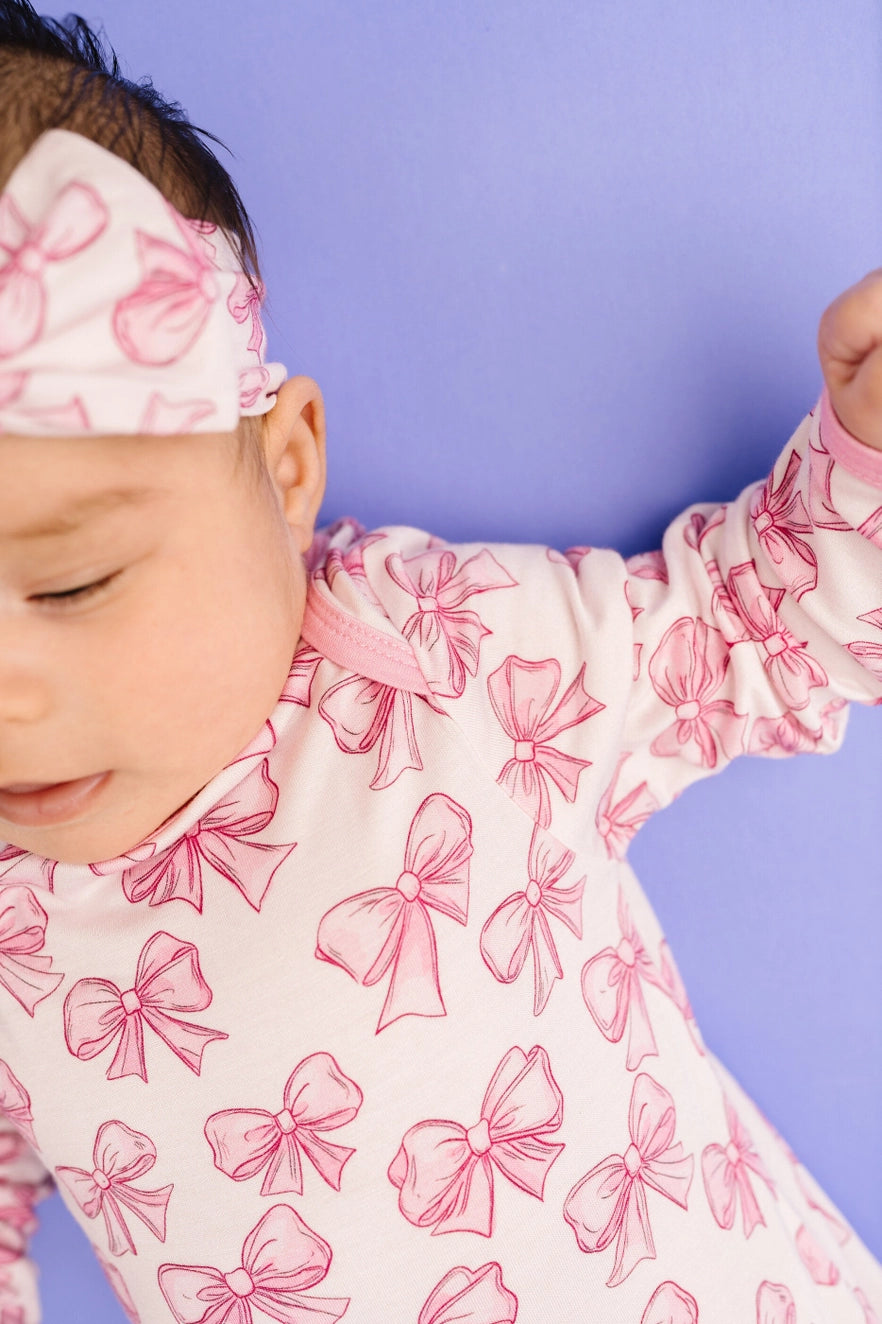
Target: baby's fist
(850, 350)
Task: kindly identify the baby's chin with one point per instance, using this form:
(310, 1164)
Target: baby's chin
(115, 825)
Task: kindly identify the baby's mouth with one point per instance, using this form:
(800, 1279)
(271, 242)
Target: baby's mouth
(34, 804)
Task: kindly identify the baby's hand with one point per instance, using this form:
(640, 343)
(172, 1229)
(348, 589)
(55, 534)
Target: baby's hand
(850, 350)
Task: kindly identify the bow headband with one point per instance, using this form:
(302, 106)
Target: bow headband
(118, 315)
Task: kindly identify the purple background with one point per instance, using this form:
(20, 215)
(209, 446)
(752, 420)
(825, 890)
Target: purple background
(558, 267)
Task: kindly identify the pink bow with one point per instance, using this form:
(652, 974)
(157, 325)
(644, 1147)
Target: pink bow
(610, 1200)
(450, 636)
(726, 1173)
(687, 670)
(613, 992)
(789, 667)
(220, 838)
(444, 1171)
(779, 516)
(391, 926)
(466, 1296)
(15, 1103)
(775, 1304)
(823, 513)
(317, 1098)
(76, 220)
(815, 1258)
(168, 980)
(160, 321)
(119, 1158)
(22, 862)
(245, 302)
(522, 694)
(24, 974)
(671, 1304)
(520, 922)
(618, 823)
(363, 712)
(298, 686)
(282, 1259)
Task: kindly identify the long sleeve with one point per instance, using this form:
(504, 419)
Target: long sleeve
(23, 1182)
(760, 620)
(596, 689)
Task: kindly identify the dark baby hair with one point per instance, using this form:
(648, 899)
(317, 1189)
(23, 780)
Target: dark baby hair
(63, 75)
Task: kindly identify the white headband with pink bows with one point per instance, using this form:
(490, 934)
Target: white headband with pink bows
(117, 314)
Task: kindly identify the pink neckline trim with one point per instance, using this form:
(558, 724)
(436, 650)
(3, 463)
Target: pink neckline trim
(359, 647)
(856, 456)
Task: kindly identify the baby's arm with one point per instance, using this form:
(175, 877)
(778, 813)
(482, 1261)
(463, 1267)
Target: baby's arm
(763, 617)
(23, 1182)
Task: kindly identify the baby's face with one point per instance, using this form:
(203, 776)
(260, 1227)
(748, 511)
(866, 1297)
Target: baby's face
(164, 676)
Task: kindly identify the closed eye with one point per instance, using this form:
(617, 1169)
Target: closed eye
(75, 595)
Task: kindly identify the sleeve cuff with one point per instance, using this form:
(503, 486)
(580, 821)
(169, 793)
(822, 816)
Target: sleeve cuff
(863, 461)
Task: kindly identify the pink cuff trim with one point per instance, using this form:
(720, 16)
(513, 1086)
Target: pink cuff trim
(358, 647)
(856, 456)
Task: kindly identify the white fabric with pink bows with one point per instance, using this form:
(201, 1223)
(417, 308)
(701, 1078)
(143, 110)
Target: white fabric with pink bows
(118, 315)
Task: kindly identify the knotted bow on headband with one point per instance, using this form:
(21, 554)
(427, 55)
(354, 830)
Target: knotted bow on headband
(117, 314)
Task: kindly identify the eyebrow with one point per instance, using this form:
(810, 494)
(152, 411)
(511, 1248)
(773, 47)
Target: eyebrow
(77, 513)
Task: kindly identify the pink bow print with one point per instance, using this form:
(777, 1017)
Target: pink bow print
(613, 992)
(362, 713)
(610, 1200)
(671, 1304)
(444, 1171)
(15, 1103)
(779, 517)
(449, 635)
(220, 838)
(522, 694)
(18, 861)
(318, 1098)
(77, 218)
(160, 321)
(789, 667)
(687, 669)
(282, 1259)
(726, 1173)
(815, 1258)
(823, 513)
(245, 303)
(24, 973)
(618, 823)
(120, 1157)
(520, 922)
(775, 1304)
(168, 980)
(466, 1296)
(391, 926)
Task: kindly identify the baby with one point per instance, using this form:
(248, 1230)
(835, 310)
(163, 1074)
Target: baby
(326, 988)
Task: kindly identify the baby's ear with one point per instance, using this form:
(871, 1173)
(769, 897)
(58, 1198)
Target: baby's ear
(294, 450)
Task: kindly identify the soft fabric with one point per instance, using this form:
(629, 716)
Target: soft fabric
(381, 1024)
(118, 315)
